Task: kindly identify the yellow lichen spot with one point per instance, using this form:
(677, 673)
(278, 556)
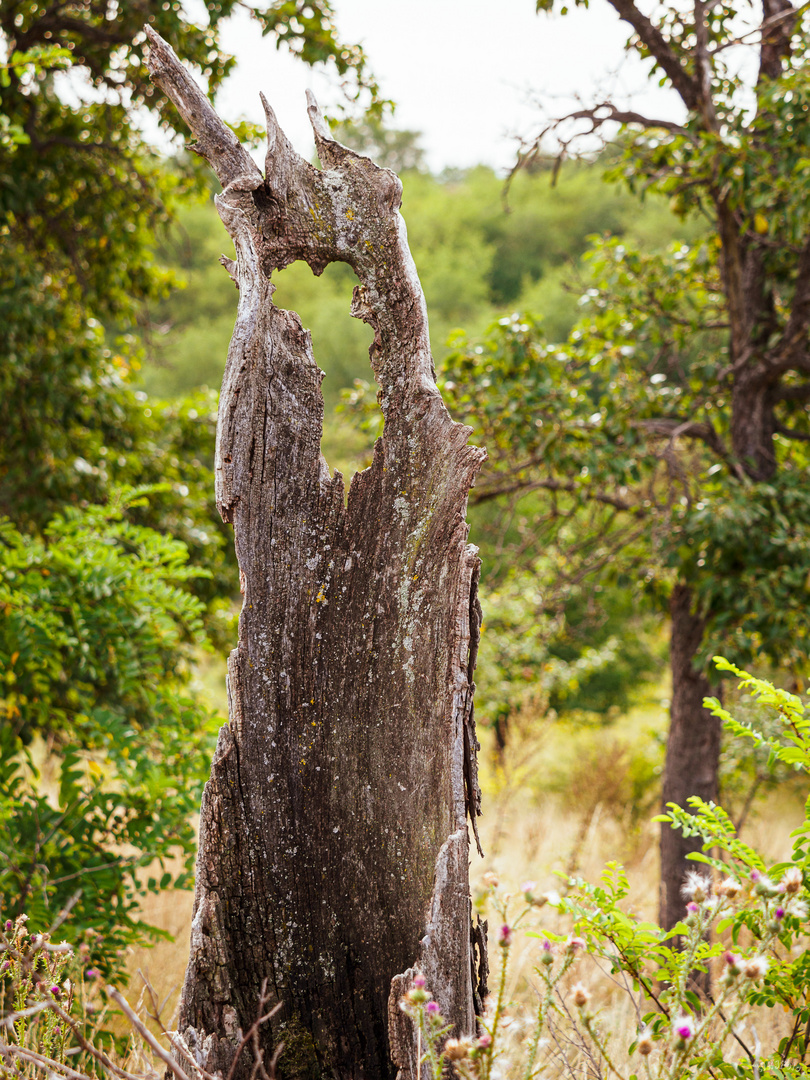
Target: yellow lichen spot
(350, 214)
(303, 761)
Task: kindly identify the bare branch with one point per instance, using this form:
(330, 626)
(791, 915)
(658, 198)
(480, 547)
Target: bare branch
(621, 116)
(662, 51)
(674, 427)
(146, 1034)
(791, 433)
(799, 392)
(488, 494)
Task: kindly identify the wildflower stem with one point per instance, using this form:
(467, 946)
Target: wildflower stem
(498, 1010)
(600, 1045)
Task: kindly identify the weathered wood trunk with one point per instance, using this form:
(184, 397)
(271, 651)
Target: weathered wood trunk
(693, 751)
(333, 842)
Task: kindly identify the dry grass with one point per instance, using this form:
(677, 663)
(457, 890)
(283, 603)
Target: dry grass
(554, 806)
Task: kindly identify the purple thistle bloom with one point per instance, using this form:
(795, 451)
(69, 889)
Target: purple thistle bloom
(432, 1008)
(692, 907)
(56, 991)
(779, 913)
(9, 924)
(505, 935)
(92, 973)
(419, 980)
(685, 1031)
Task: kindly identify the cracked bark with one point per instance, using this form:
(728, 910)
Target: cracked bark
(333, 842)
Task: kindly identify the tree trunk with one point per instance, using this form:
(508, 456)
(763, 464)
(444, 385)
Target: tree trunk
(333, 842)
(693, 751)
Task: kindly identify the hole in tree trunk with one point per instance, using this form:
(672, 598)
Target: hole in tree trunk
(340, 345)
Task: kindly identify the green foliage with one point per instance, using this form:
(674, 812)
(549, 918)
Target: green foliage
(97, 633)
(461, 237)
(747, 928)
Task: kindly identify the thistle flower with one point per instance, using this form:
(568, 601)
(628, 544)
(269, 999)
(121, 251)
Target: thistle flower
(419, 980)
(645, 1043)
(573, 943)
(735, 963)
(791, 880)
(755, 967)
(547, 953)
(695, 887)
(729, 888)
(92, 973)
(484, 1040)
(9, 925)
(505, 936)
(684, 1027)
(763, 886)
(457, 1049)
(798, 909)
(56, 991)
(432, 1008)
(692, 908)
(581, 995)
(490, 879)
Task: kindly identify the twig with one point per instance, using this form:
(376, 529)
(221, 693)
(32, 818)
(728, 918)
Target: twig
(147, 1035)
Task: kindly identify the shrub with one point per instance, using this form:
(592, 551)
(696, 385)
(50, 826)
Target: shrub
(741, 945)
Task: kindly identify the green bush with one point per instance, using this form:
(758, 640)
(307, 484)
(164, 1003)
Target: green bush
(742, 944)
(97, 634)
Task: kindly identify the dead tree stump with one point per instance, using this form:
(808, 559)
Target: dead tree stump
(333, 843)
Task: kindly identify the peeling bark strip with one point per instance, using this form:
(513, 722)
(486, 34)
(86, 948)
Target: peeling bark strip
(333, 842)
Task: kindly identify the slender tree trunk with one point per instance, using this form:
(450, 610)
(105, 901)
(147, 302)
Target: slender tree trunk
(333, 842)
(693, 750)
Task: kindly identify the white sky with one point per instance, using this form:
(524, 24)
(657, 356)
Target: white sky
(460, 71)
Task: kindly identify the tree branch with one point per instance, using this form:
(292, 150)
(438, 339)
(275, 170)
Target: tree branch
(662, 52)
(488, 494)
(791, 352)
(621, 116)
(799, 392)
(791, 433)
(674, 427)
